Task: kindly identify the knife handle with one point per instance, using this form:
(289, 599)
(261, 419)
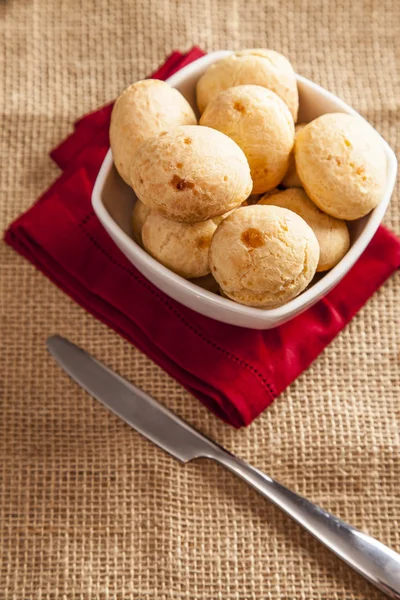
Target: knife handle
(376, 562)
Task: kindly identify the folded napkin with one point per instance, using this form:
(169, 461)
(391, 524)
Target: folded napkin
(235, 372)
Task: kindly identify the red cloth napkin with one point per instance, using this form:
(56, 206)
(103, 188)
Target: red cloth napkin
(235, 372)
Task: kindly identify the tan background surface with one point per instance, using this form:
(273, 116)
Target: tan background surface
(89, 510)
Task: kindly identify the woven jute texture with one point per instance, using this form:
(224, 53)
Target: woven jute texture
(89, 509)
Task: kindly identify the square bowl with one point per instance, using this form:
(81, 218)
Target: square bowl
(113, 202)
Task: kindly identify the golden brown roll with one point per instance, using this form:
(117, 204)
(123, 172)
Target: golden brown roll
(256, 66)
(332, 234)
(263, 256)
(191, 174)
(182, 247)
(261, 124)
(342, 165)
(143, 110)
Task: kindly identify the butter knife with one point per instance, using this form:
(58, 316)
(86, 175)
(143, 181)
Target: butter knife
(377, 563)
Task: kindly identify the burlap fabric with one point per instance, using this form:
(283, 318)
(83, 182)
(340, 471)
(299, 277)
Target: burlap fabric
(89, 509)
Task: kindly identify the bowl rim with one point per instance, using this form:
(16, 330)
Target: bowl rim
(297, 304)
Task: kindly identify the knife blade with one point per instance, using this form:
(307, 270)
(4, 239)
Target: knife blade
(130, 403)
(373, 560)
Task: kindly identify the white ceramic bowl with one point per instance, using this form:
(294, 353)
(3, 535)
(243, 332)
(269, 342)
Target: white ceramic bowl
(113, 201)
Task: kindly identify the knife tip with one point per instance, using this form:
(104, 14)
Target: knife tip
(54, 341)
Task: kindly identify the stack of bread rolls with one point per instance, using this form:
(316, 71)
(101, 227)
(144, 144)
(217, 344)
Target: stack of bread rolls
(247, 202)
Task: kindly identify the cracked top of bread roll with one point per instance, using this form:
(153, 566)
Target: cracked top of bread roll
(256, 66)
(291, 179)
(332, 234)
(263, 256)
(341, 162)
(261, 124)
(191, 174)
(182, 247)
(143, 110)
